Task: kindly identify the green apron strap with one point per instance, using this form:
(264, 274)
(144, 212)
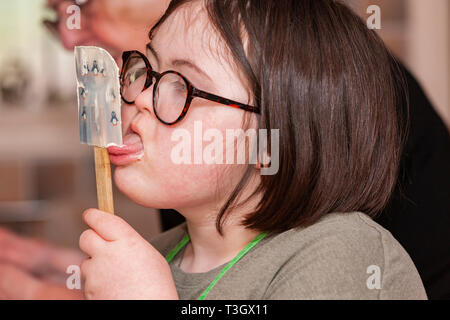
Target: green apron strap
(186, 239)
(253, 243)
(178, 247)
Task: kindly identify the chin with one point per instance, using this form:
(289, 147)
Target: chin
(141, 191)
(126, 180)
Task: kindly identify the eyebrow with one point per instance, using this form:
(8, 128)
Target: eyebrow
(153, 51)
(179, 62)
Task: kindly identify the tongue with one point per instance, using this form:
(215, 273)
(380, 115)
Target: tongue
(132, 143)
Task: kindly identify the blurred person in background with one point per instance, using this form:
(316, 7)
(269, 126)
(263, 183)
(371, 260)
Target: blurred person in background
(114, 25)
(417, 215)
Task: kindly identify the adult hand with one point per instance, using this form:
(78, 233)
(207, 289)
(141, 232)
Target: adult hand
(36, 257)
(16, 284)
(122, 265)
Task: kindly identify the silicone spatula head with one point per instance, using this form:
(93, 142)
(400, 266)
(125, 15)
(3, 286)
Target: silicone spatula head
(99, 102)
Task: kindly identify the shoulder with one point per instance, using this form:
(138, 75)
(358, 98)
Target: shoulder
(344, 256)
(342, 233)
(166, 241)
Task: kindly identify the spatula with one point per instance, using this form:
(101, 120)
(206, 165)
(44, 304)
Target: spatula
(99, 113)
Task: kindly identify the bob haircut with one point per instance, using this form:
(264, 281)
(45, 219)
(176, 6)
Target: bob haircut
(331, 87)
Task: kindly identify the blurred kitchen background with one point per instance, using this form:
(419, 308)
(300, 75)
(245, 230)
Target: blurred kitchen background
(47, 178)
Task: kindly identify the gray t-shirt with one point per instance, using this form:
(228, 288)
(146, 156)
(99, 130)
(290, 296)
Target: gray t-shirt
(342, 256)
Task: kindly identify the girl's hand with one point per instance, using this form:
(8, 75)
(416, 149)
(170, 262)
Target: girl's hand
(122, 265)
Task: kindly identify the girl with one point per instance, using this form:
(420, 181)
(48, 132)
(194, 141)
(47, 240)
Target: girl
(309, 69)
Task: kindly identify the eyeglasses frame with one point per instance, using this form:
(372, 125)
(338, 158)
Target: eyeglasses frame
(192, 92)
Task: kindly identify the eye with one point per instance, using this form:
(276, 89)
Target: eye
(178, 84)
(138, 73)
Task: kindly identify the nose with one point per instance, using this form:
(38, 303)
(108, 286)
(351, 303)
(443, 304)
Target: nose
(144, 101)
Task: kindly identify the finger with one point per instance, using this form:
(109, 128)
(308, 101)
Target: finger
(86, 268)
(108, 226)
(91, 243)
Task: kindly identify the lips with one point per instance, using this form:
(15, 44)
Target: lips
(131, 151)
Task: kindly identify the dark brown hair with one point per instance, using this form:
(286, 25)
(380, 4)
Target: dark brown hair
(331, 87)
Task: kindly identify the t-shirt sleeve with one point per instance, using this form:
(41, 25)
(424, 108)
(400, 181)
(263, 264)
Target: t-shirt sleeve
(354, 262)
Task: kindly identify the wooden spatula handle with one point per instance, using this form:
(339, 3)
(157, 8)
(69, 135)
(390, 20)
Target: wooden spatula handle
(103, 177)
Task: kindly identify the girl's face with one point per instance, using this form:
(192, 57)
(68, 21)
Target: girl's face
(186, 43)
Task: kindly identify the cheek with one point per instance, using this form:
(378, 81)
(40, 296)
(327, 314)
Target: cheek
(128, 113)
(157, 181)
(166, 185)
